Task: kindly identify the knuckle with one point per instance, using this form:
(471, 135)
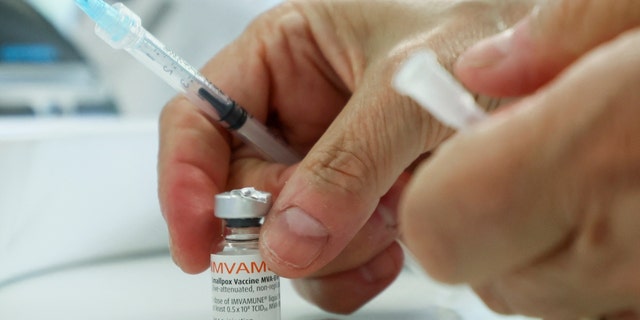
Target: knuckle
(337, 166)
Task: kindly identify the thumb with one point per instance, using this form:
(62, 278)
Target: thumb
(520, 60)
(338, 185)
(517, 189)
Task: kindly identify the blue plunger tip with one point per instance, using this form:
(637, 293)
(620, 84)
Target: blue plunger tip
(109, 19)
(93, 8)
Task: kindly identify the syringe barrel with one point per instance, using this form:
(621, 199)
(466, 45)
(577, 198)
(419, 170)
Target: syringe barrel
(187, 80)
(122, 29)
(208, 98)
(179, 75)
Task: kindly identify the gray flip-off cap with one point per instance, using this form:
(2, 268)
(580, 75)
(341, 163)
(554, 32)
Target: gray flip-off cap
(246, 203)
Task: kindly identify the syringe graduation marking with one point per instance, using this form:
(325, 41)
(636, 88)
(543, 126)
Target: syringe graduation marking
(122, 29)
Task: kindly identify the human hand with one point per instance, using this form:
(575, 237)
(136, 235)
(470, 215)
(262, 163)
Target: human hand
(520, 60)
(318, 72)
(537, 207)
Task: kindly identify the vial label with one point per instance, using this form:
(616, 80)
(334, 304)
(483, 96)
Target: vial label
(244, 288)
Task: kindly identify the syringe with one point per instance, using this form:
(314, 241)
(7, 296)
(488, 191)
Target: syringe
(122, 29)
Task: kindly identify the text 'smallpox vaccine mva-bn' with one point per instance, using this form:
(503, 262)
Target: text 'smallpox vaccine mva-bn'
(243, 286)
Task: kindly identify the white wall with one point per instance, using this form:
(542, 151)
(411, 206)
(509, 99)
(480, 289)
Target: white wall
(73, 190)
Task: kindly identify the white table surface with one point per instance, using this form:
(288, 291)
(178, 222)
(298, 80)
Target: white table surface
(153, 288)
(91, 185)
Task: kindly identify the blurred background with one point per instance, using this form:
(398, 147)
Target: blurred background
(81, 233)
(78, 134)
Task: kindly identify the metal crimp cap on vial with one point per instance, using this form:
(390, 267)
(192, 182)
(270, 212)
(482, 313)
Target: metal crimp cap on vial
(245, 203)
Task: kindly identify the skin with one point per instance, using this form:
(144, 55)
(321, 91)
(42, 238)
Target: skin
(318, 73)
(537, 207)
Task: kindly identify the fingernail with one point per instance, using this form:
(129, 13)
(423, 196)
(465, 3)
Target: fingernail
(488, 52)
(382, 267)
(295, 238)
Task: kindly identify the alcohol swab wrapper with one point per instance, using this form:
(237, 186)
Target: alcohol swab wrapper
(423, 78)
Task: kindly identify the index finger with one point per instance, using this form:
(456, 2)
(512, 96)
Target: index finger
(193, 164)
(195, 155)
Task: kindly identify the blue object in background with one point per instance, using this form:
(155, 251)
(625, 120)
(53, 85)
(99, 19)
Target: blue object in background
(28, 53)
(41, 72)
(26, 36)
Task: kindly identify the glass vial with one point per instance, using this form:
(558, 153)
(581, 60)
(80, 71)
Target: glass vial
(243, 286)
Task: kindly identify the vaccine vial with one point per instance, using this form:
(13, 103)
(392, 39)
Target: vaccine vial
(243, 286)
